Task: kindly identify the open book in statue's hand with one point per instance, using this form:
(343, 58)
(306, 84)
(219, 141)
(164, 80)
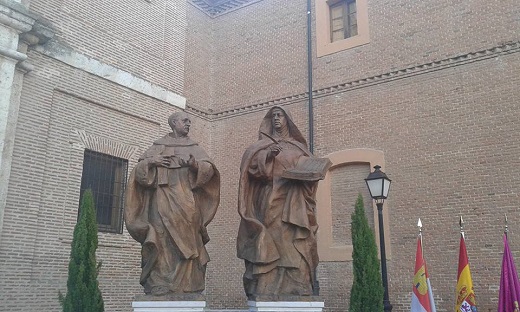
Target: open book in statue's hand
(308, 169)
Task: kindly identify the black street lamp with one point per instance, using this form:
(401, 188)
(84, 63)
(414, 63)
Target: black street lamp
(378, 186)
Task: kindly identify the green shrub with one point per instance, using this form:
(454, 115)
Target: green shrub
(367, 289)
(83, 294)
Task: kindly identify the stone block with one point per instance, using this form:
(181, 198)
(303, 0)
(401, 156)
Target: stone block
(168, 306)
(285, 306)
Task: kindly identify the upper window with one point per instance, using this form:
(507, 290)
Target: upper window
(340, 25)
(105, 175)
(343, 20)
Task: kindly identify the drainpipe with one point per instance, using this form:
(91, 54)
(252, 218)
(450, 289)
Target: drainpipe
(316, 283)
(309, 76)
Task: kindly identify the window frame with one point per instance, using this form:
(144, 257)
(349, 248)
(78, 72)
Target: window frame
(324, 44)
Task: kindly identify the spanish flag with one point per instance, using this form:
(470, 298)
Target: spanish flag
(422, 296)
(464, 292)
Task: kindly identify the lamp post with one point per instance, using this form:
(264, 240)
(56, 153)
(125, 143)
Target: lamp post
(378, 185)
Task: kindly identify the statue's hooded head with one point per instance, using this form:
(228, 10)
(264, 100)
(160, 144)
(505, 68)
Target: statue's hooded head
(279, 121)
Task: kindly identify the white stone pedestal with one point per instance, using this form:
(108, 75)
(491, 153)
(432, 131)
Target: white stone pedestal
(285, 306)
(169, 306)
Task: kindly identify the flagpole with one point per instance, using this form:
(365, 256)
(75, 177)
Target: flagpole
(506, 228)
(461, 224)
(419, 225)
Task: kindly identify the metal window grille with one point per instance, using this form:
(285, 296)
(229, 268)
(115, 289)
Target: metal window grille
(106, 176)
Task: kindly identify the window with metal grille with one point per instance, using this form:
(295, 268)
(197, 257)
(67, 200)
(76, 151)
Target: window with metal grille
(343, 20)
(105, 175)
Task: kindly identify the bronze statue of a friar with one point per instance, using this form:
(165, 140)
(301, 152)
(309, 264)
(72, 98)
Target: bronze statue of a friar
(173, 194)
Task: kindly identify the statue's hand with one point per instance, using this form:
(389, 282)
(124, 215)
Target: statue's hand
(274, 150)
(160, 161)
(194, 165)
(191, 163)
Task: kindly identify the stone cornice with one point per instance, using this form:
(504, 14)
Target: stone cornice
(71, 57)
(30, 28)
(221, 7)
(506, 48)
(14, 15)
(12, 54)
(40, 33)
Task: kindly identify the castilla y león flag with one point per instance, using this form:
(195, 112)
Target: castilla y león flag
(422, 296)
(464, 292)
(509, 293)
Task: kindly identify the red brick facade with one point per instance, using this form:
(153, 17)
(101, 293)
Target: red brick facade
(435, 90)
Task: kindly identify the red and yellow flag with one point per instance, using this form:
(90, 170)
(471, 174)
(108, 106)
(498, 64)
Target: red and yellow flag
(465, 295)
(422, 296)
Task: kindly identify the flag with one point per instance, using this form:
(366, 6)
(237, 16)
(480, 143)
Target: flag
(509, 294)
(422, 296)
(464, 292)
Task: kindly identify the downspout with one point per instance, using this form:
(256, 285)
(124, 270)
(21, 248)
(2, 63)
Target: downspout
(316, 283)
(309, 76)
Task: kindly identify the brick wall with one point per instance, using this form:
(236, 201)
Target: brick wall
(260, 50)
(347, 183)
(260, 53)
(145, 38)
(404, 33)
(199, 77)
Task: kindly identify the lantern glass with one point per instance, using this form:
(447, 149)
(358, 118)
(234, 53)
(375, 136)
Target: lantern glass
(375, 187)
(386, 187)
(378, 184)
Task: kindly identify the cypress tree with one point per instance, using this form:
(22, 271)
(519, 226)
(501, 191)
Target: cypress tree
(367, 289)
(83, 294)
